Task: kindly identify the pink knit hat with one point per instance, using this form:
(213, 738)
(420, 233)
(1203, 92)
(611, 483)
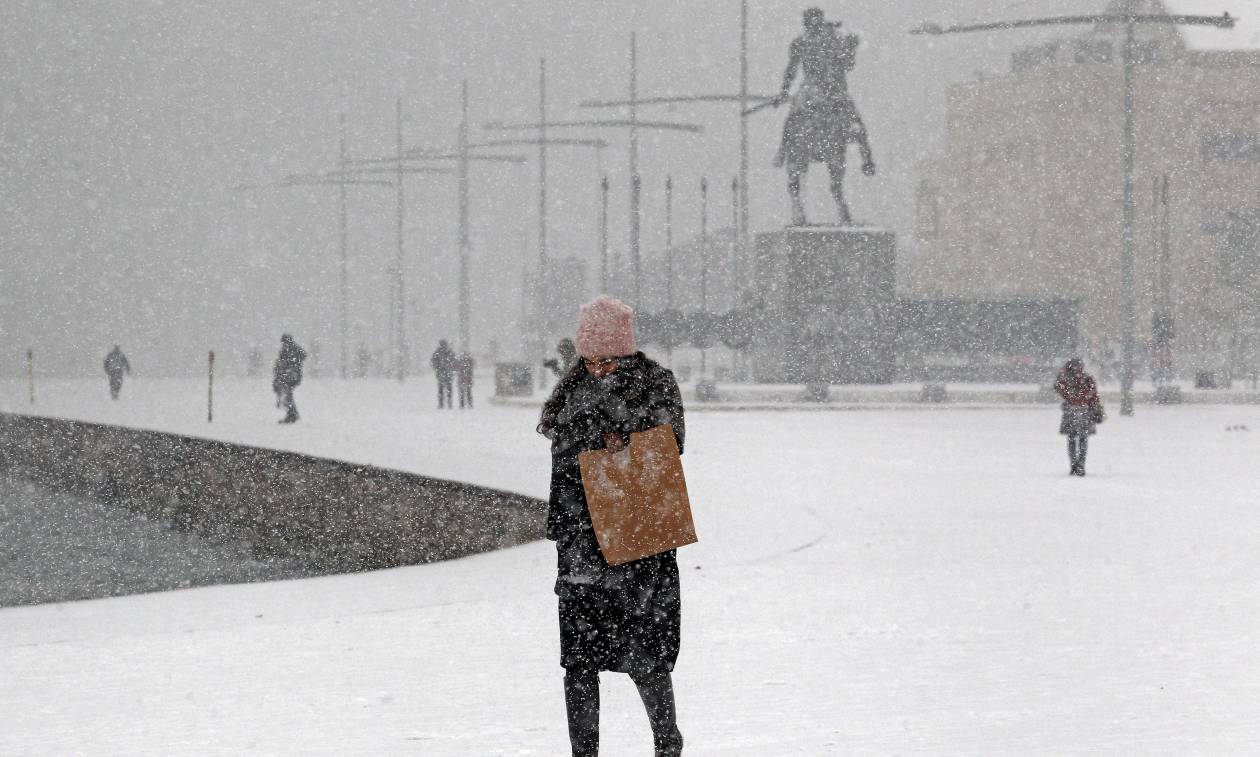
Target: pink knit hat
(605, 328)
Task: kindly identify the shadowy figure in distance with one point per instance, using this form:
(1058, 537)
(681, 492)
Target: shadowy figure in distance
(443, 362)
(115, 366)
(286, 374)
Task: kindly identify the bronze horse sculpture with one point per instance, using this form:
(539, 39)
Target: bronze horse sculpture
(823, 119)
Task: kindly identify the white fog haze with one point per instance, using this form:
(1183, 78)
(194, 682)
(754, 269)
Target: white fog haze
(564, 377)
(128, 125)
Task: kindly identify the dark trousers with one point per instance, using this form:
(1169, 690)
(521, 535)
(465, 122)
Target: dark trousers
(284, 398)
(465, 394)
(581, 699)
(115, 385)
(1078, 445)
(444, 392)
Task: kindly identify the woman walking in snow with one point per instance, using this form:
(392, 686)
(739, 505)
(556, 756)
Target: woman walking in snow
(624, 618)
(1082, 411)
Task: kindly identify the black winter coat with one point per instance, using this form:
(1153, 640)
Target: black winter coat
(443, 362)
(625, 618)
(287, 370)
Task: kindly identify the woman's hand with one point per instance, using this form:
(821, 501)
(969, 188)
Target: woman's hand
(614, 442)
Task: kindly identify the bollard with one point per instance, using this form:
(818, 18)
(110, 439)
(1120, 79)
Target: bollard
(210, 392)
(30, 373)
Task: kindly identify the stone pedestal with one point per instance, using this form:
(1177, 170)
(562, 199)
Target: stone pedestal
(829, 303)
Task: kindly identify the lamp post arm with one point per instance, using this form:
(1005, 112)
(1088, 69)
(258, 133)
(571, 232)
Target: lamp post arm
(423, 155)
(305, 181)
(596, 143)
(1224, 21)
(597, 124)
(669, 100)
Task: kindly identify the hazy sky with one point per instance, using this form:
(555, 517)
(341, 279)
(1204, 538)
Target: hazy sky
(126, 125)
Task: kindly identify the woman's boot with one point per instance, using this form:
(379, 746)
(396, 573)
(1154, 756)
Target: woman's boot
(581, 700)
(657, 692)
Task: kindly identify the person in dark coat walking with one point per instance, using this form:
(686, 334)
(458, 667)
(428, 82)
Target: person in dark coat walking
(443, 362)
(568, 356)
(286, 374)
(464, 365)
(115, 366)
(624, 618)
(1082, 411)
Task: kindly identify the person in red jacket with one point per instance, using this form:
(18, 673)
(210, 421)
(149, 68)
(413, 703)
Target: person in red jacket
(1081, 411)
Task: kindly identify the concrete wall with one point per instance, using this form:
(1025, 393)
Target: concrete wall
(333, 516)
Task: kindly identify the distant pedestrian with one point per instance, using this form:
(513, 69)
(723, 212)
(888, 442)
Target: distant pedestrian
(1082, 411)
(286, 374)
(115, 366)
(464, 365)
(443, 362)
(624, 618)
(568, 356)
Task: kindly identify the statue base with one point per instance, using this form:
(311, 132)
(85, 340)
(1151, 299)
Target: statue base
(829, 302)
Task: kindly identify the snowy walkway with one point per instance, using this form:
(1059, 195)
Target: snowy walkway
(866, 583)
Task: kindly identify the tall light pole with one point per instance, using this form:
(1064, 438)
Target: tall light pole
(542, 174)
(399, 310)
(734, 286)
(1128, 21)
(704, 262)
(603, 234)
(741, 230)
(669, 243)
(636, 180)
(343, 290)
(465, 282)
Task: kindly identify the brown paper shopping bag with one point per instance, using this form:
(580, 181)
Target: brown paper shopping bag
(638, 497)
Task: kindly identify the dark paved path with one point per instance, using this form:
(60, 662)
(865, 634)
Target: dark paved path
(55, 547)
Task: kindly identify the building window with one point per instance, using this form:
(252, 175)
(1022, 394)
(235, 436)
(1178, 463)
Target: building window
(1231, 148)
(1093, 51)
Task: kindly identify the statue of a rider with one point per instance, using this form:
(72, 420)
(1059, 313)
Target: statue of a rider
(823, 119)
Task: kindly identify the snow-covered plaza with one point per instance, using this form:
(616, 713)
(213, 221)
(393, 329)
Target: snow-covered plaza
(866, 582)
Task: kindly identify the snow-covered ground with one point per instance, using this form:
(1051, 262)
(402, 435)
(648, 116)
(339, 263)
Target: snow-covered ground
(884, 582)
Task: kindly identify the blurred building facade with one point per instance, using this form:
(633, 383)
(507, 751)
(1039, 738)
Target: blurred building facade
(1025, 197)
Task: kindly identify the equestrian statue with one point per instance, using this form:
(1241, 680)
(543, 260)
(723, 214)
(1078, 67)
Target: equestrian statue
(823, 119)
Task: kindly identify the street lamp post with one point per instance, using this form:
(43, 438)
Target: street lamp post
(343, 293)
(1129, 22)
(603, 234)
(399, 310)
(669, 243)
(734, 284)
(704, 266)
